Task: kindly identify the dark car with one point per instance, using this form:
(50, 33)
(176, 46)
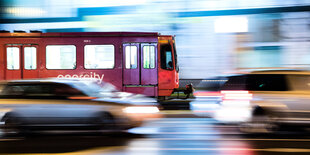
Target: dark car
(266, 101)
(70, 104)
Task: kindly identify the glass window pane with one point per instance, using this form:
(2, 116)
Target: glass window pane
(166, 57)
(30, 57)
(12, 55)
(263, 82)
(99, 56)
(148, 56)
(131, 54)
(60, 57)
(266, 82)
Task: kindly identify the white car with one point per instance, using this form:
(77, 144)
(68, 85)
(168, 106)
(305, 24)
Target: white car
(266, 101)
(67, 104)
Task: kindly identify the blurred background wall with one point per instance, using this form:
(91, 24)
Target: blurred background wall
(213, 36)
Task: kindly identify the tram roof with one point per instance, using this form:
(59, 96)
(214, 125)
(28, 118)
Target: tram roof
(79, 34)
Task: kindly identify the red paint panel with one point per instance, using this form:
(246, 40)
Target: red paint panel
(149, 91)
(168, 80)
(13, 74)
(165, 92)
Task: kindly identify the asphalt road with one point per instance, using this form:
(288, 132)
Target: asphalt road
(165, 136)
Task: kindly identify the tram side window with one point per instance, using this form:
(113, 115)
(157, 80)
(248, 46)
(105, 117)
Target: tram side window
(99, 56)
(166, 57)
(131, 57)
(30, 58)
(60, 57)
(12, 55)
(148, 57)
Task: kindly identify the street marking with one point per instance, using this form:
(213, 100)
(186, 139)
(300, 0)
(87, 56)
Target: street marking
(197, 133)
(186, 118)
(119, 148)
(183, 122)
(157, 131)
(220, 149)
(191, 125)
(186, 149)
(221, 139)
(203, 119)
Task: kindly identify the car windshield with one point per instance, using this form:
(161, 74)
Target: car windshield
(257, 82)
(93, 89)
(55, 89)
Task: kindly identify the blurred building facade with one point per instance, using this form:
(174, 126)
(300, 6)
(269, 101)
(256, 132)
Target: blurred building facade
(213, 36)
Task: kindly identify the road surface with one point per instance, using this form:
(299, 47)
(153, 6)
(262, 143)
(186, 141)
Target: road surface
(165, 136)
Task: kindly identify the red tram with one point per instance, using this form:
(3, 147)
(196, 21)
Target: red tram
(138, 62)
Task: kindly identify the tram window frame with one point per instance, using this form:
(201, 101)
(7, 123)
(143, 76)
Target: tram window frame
(177, 68)
(134, 57)
(164, 49)
(151, 57)
(15, 63)
(46, 58)
(85, 58)
(33, 59)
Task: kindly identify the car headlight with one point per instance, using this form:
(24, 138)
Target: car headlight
(148, 110)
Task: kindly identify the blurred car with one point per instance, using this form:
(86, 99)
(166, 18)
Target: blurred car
(266, 101)
(70, 104)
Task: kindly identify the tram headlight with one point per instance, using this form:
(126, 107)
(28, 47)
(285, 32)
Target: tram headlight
(141, 110)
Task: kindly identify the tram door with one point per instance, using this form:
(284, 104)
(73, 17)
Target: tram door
(21, 61)
(139, 64)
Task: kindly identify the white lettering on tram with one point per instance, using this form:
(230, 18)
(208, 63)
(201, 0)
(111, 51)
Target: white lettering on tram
(91, 75)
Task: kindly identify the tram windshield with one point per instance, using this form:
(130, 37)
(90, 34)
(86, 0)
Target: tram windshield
(166, 57)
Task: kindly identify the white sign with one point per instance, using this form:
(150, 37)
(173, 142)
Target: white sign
(90, 75)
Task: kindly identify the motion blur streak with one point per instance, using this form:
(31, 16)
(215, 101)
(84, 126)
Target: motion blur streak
(141, 110)
(261, 33)
(236, 95)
